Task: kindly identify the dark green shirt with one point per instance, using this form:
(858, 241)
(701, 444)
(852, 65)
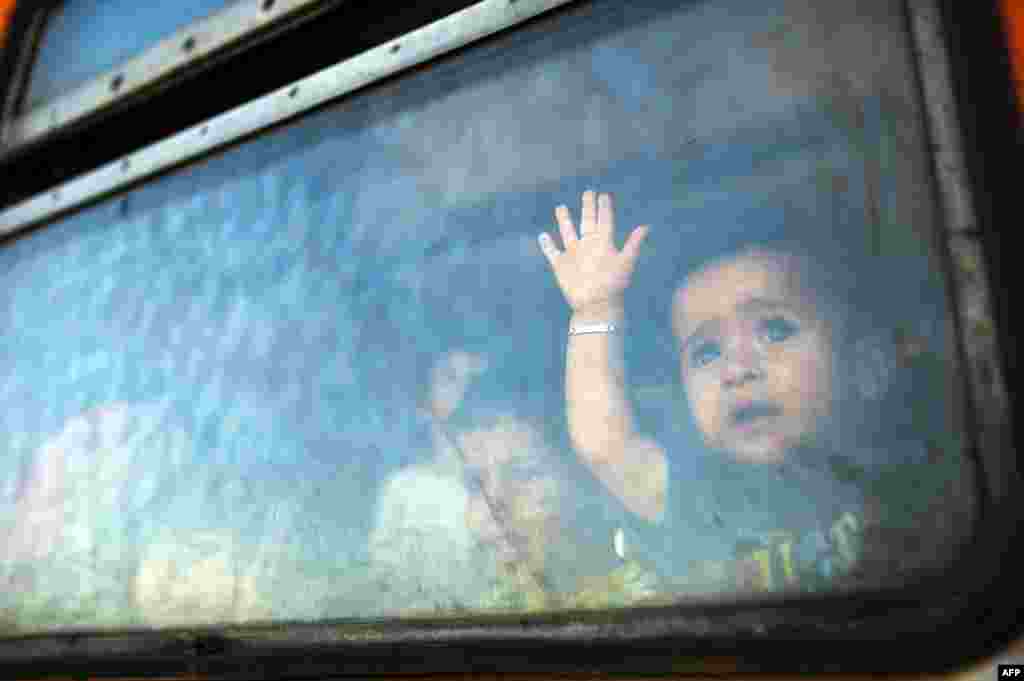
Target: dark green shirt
(797, 524)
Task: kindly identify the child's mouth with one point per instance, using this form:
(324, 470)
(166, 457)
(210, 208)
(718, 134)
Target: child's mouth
(748, 414)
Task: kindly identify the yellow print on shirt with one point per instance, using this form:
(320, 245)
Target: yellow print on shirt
(771, 562)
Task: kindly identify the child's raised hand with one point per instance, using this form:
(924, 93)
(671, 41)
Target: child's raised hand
(591, 272)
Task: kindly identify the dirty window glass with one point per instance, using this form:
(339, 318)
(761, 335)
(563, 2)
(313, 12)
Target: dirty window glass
(324, 373)
(82, 40)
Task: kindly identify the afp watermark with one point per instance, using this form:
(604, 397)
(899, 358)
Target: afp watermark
(1010, 671)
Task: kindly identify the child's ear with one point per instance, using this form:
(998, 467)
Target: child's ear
(871, 369)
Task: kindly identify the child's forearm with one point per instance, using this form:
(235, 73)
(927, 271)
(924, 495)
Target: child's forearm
(599, 415)
(600, 418)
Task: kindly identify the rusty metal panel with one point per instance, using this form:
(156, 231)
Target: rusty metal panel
(6, 10)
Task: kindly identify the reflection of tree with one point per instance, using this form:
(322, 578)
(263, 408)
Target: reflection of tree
(185, 578)
(70, 551)
(428, 574)
(422, 549)
(120, 523)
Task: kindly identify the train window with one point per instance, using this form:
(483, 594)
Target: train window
(84, 57)
(68, 53)
(632, 312)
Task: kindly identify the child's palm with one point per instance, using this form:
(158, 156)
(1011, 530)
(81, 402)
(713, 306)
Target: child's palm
(591, 271)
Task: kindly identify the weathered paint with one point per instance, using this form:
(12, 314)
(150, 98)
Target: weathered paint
(1013, 16)
(6, 12)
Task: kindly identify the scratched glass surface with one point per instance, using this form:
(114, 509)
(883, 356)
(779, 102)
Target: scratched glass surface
(82, 40)
(321, 374)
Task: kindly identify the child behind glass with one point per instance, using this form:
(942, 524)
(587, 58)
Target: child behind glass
(757, 341)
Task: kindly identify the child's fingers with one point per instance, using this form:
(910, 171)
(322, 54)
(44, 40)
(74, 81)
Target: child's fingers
(565, 226)
(588, 212)
(631, 249)
(605, 223)
(548, 248)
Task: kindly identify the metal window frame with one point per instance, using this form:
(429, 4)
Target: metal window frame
(475, 23)
(629, 640)
(438, 38)
(228, 27)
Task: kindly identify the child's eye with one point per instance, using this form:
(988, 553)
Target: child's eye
(704, 353)
(474, 484)
(778, 329)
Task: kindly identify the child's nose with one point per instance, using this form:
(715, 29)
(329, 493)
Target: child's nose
(742, 359)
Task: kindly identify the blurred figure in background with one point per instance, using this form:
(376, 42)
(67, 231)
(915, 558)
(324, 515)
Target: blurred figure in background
(472, 523)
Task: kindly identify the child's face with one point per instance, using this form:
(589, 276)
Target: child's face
(756, 356)
(494, 454)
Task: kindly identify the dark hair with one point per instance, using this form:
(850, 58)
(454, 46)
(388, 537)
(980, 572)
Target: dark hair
(504, 390)
(870, 302)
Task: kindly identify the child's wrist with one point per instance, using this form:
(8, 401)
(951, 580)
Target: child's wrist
(606, 311)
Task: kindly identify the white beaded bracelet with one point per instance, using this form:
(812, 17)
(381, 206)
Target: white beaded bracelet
(600, 327)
